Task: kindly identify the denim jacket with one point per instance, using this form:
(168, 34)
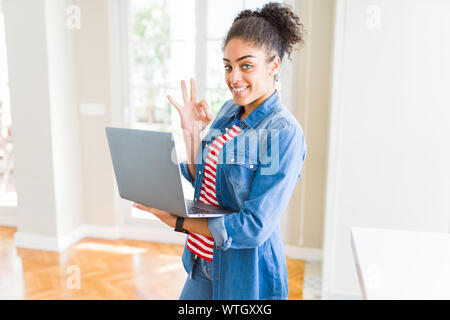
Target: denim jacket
(255, 177)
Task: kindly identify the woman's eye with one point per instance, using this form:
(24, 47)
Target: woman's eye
(244, 66)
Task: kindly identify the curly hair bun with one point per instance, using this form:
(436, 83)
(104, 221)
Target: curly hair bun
(286, 22)
(274, 26)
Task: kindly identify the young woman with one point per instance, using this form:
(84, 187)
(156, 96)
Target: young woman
(249, 161)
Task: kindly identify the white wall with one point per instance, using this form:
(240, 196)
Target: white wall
(93, 82)
(30, 113)
(64, 117)
(44, 122)
(389, 134)
(311, 105)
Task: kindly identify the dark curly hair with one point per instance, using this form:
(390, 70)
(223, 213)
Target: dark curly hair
(275, 27)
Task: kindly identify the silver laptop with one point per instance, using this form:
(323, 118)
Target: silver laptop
(147, 171)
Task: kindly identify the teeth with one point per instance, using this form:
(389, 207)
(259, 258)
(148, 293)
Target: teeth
(239, 90)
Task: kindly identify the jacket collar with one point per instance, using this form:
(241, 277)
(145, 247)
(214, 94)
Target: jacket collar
(260, 113)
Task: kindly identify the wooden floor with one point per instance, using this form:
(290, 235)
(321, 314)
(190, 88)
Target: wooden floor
(102, 269)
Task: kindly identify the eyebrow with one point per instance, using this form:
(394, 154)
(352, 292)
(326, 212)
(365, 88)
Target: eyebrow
(247, 56)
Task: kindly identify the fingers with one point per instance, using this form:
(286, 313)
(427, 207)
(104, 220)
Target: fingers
(184, 92)
(197, 112)
(203, 109)
(148, 209)
(193, 91)
(209, 116)
(174, 103)
(141, 206)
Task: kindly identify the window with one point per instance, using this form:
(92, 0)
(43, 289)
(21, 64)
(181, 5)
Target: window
(173, 40)
(162, 48)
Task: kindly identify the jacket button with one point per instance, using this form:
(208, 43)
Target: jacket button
(218, 192)
(217, 277)
(199, 172)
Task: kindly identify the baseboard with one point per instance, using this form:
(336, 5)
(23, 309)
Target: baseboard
(340, 295)
(69, 239)
(143, 233)
(54, 243)
(48, 243)
(154, 234)
(36, 241)
(134, 232)
(101, 232)
(302, 253)
(8, 217)
(62, 242)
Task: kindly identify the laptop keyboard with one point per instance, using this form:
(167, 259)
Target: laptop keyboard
(197, 210)
(200, 208)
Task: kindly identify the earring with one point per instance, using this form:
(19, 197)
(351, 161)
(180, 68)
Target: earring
(277, 76)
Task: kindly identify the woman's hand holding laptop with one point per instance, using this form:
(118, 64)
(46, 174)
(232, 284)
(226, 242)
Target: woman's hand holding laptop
(197, 225)
(164, 216)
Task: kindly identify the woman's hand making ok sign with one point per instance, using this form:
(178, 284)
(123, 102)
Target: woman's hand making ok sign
(194, 115)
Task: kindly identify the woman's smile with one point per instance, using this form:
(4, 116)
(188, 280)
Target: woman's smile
(239, 91)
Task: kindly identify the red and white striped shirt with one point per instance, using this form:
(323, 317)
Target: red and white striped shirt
(197, 243)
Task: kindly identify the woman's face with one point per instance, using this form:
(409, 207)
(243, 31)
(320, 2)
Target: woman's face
(248, 76)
